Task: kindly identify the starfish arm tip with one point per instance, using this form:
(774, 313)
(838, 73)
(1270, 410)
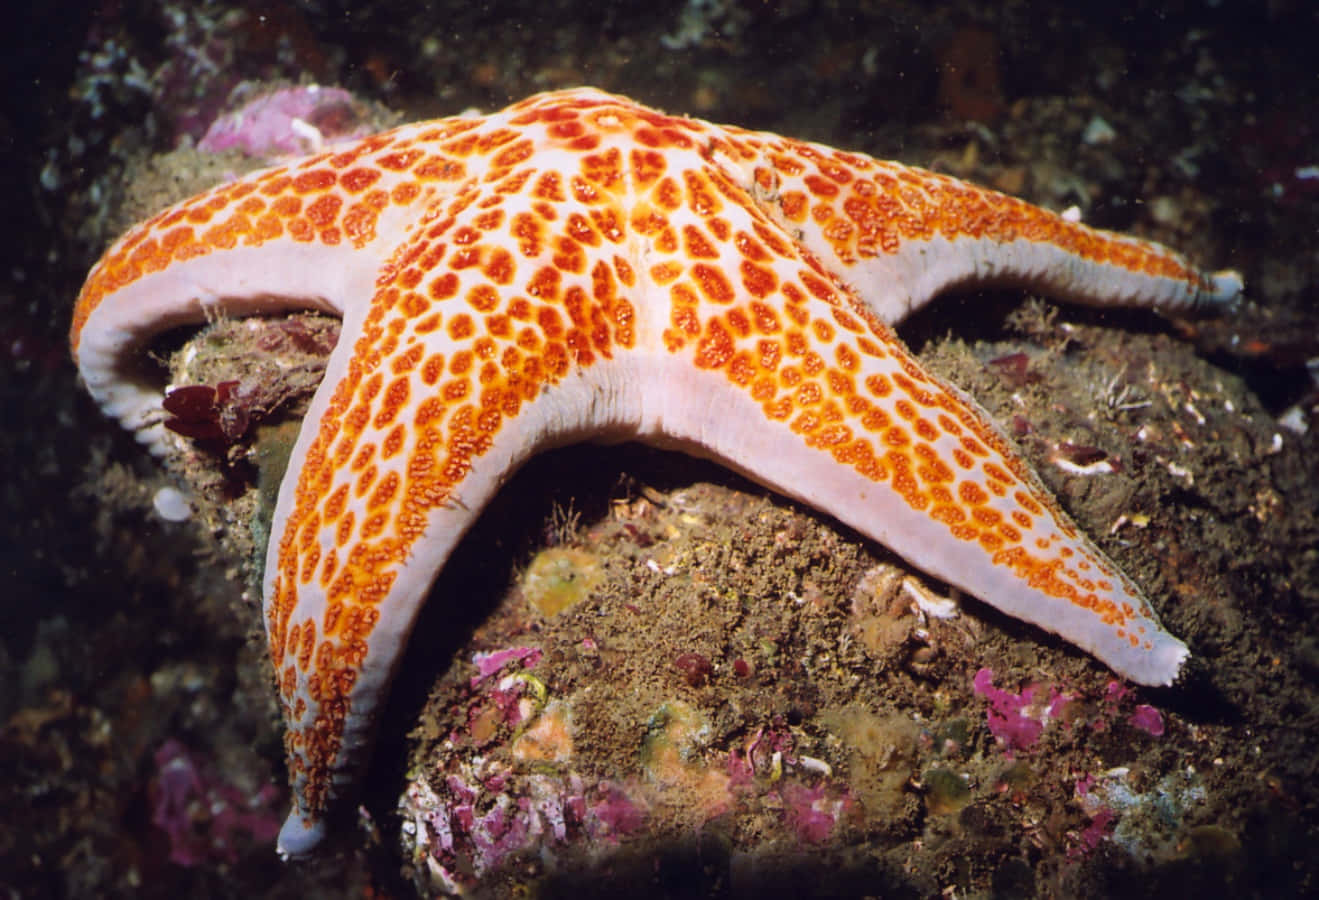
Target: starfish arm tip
(1161, 666)
(300, 835)
(1178, 654)
(1224, 291)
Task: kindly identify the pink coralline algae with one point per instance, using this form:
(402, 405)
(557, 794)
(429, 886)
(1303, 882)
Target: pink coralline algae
(208, 819)
(1100, 827)
(814, 811)
(811, 811)
(288, 121)
(1147, 719)
(766, 751)
(1144, 717)
(484, 823)
(1102, 818)
(1115, 692)
(488, 663)
(1018, 720)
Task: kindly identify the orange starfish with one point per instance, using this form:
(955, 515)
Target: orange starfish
(580, 266)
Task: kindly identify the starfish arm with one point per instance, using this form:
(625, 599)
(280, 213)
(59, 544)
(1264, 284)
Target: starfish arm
(471, 358)
(306, 235)
(899, 235)
(959, 504)
(790, 378)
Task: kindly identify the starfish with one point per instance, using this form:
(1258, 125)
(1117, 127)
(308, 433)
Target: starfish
(579, 266)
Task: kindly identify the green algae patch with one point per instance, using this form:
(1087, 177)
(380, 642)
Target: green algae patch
(881, 749)
(946, 792)
(559, 578)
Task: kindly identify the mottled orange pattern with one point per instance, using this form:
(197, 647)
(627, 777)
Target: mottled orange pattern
(579, 233)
